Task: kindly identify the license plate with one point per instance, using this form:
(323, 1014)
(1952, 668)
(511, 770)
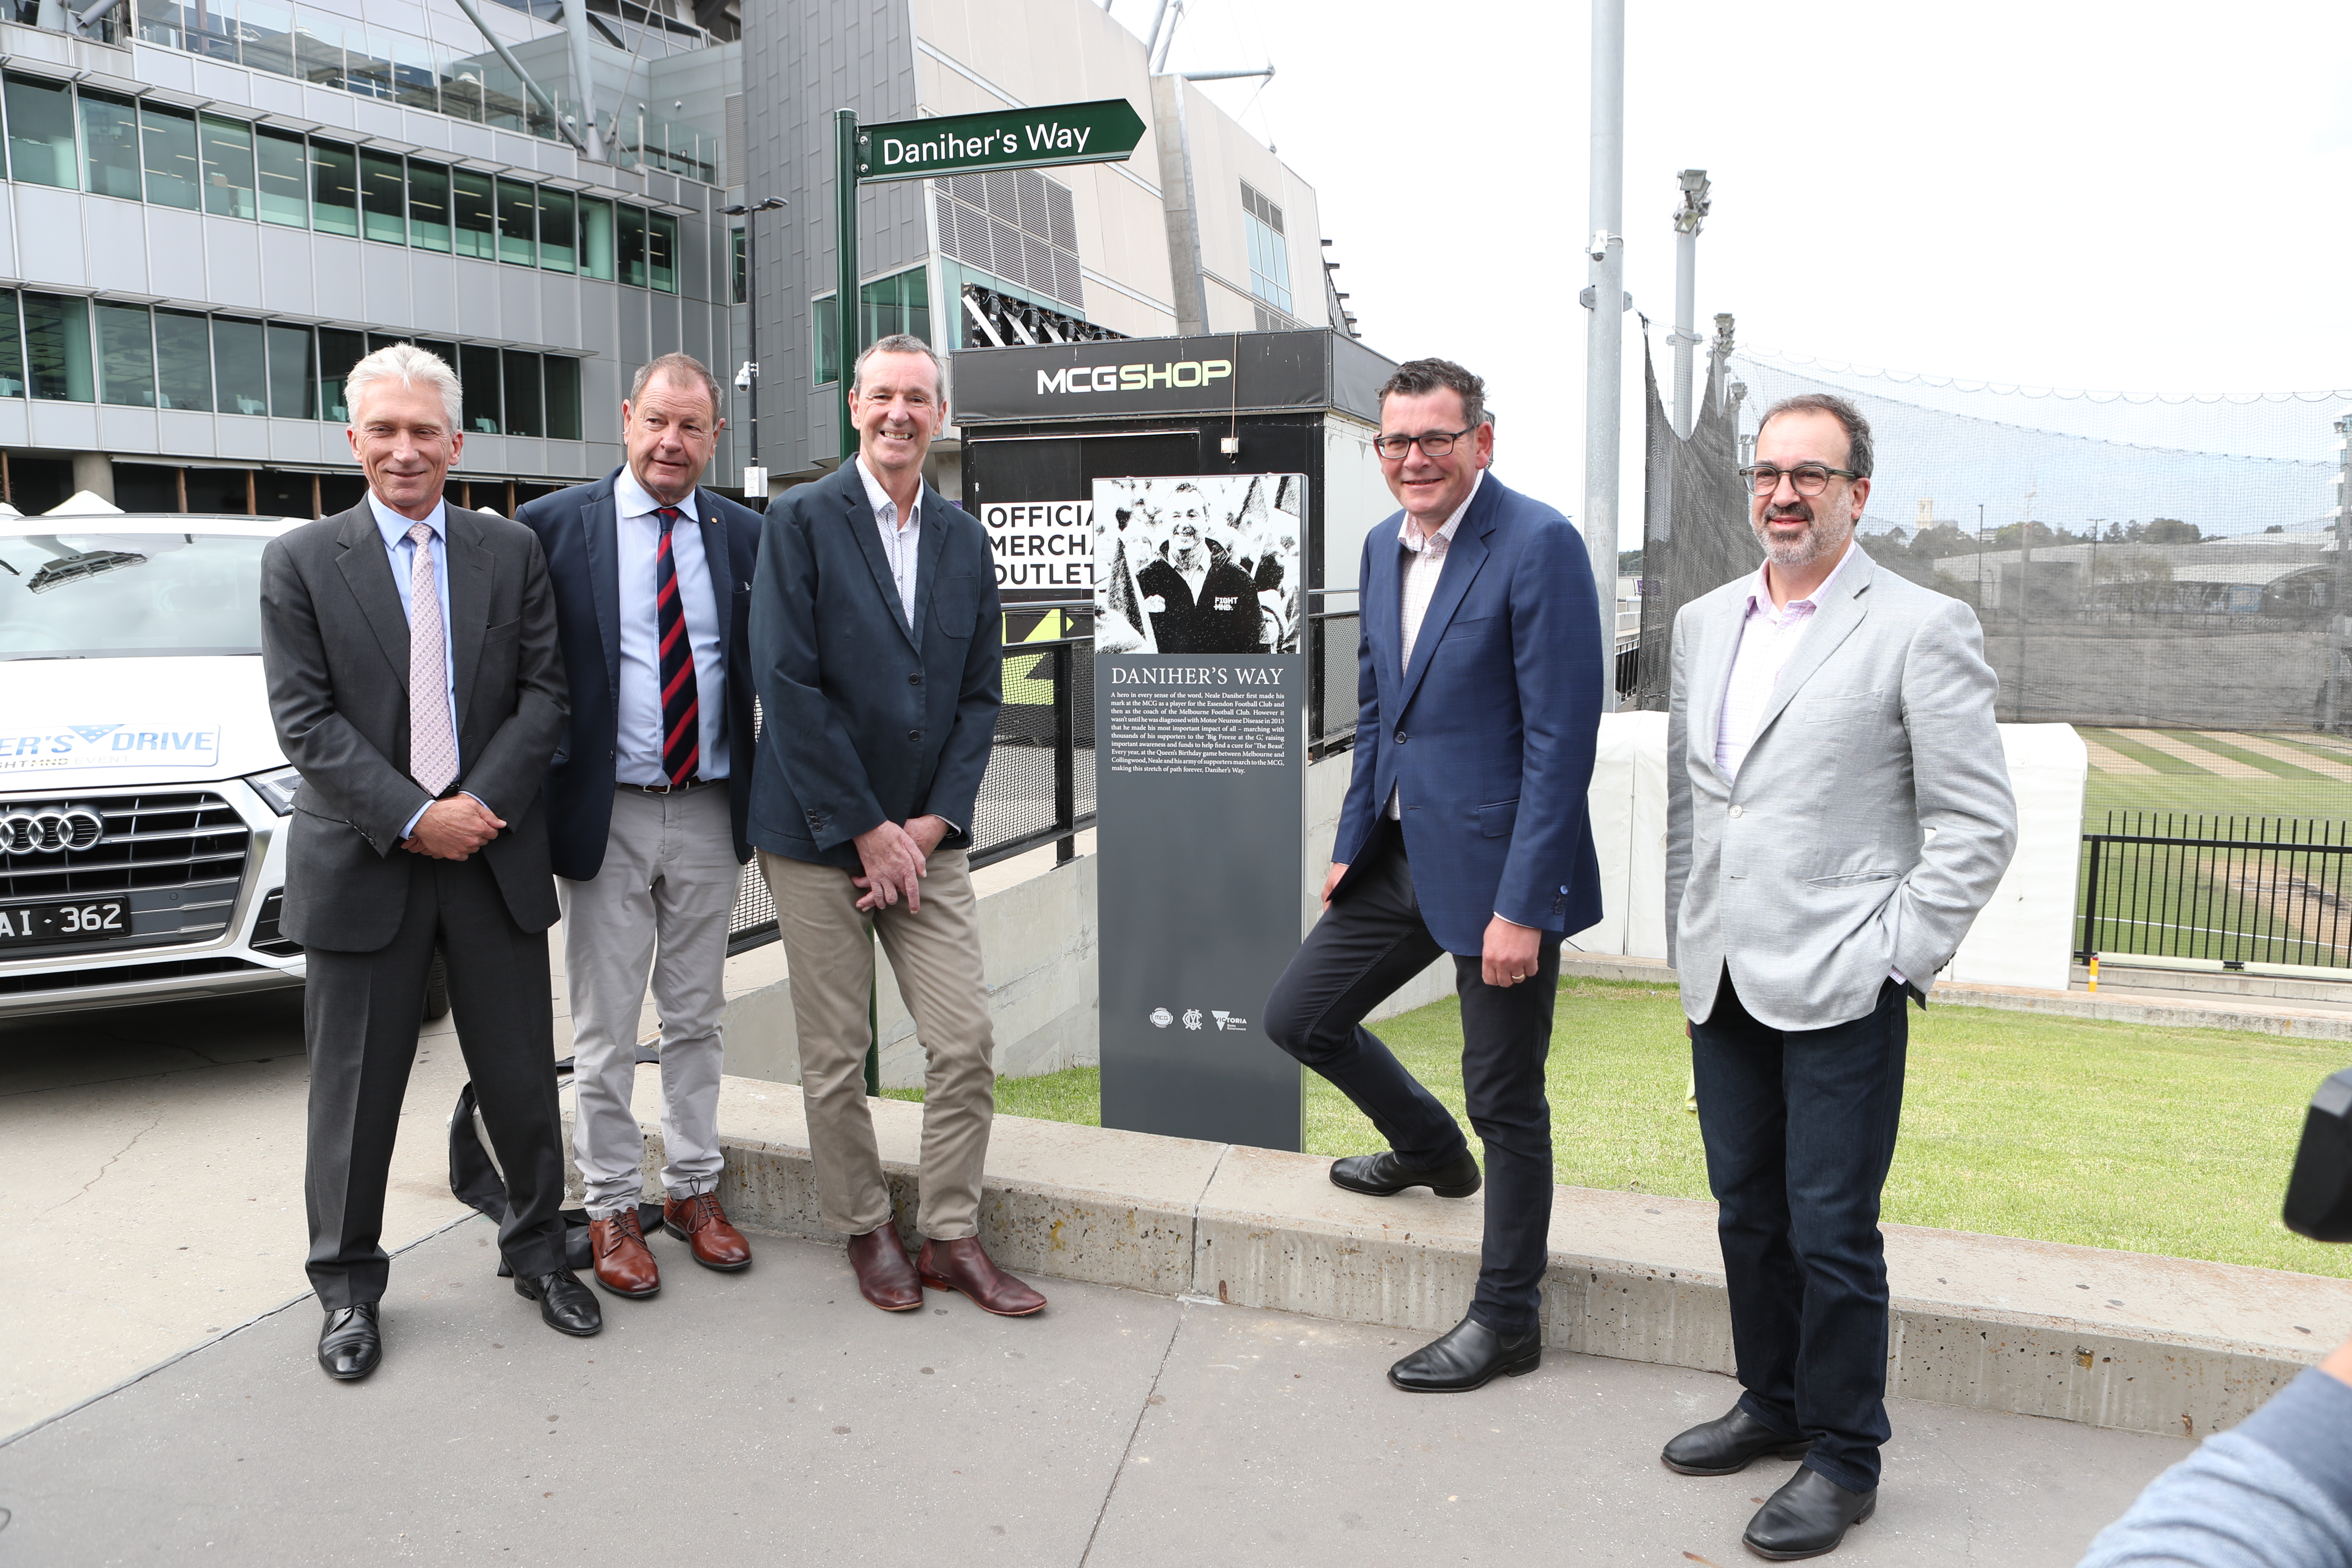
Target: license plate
(64, 923)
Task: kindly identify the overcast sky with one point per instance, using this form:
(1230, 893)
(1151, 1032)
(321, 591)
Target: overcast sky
(2153, 196)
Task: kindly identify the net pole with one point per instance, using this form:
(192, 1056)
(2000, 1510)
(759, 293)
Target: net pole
(1604, 344)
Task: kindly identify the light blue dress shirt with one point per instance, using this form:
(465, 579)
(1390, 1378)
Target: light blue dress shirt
(638, 743)
(403, 552)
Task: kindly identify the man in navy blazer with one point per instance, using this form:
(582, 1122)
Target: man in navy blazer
(876, 643)
(647, 800)
(1479, 671)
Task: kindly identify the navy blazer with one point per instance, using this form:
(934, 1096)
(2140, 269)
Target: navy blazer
(867, 720)
(1490, 732)
(578, 527)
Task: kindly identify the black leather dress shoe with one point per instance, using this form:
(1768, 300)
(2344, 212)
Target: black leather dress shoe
(350, 1346)
(1730, 1443)
(1807, 1517)
(1470, 1355)
(1383, 1175)
(566, 1305)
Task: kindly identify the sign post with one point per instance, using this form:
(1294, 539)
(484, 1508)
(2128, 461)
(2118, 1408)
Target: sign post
(1103, 132)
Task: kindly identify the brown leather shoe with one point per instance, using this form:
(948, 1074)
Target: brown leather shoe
(624, 1264)
(884, 1277)
(701, 1224)
(962, 1264)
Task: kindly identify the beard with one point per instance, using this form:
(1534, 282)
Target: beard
(1822, 539)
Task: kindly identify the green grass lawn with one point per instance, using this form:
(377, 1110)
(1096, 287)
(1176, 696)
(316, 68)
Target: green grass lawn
(2181, 786)
(2166, 1140)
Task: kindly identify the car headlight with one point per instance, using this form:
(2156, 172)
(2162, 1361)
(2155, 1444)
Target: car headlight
(277, 787)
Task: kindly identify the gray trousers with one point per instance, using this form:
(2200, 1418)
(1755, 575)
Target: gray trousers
(660, 901)
(935, 954)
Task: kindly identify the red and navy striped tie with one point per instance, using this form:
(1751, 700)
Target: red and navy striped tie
(681, 705)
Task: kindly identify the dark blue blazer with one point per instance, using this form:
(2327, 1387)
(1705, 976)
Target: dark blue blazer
(578, 530)
(866, 719)
(1490, 731)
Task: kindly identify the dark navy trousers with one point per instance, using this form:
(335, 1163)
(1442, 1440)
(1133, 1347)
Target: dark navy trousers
(1800, 1129)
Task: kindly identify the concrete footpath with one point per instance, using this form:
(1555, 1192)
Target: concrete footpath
(772, 1415)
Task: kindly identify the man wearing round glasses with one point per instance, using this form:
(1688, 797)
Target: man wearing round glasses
(1838, 811)
(1465, 832)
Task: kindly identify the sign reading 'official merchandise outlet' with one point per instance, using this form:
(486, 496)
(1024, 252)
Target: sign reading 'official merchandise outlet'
(1045, 544)
(1103, 132)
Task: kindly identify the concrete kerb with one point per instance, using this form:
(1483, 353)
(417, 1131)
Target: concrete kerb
(2110, 1339)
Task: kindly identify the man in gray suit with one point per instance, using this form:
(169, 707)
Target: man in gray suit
(1838, 812)
(414, 680)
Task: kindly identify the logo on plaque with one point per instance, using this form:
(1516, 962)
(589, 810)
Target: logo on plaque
(1161, 1018)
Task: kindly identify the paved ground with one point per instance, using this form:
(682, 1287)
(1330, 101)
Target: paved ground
(774, 1416)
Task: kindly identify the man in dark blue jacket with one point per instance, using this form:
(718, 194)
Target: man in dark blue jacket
(646, 805)
(1465, 831)
(876, 643)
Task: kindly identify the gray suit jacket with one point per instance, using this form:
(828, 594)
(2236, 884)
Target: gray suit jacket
(1870, 822)
(334, 648)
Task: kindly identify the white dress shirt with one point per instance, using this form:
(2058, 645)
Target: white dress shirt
(1423, 568)
(1768, 638)
(402, 550)
(901, 541)
(638, 748)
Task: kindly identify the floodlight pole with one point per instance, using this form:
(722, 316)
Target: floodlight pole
(1604, 343)
(1688, 217)
(2340, 608)
(755, 475)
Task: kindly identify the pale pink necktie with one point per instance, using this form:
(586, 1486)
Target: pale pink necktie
(432, 746)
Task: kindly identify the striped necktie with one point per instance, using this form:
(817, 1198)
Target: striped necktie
(431, 742)
(681, 704)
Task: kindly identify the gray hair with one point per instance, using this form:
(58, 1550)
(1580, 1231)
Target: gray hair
(1858, 453)
(1416, 377)
(683, 368)
(410, 366)
(899, 343)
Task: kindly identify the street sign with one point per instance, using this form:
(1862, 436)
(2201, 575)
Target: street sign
(1103, 132)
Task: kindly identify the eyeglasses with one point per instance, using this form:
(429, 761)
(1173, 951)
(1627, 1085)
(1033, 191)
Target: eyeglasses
(1809, 479)
(1433, 444)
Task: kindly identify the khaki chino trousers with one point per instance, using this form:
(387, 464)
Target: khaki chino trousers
(935, 952)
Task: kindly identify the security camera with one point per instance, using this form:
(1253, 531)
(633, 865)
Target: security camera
(743, 378)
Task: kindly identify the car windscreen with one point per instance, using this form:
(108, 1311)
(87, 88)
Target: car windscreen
(129, 595)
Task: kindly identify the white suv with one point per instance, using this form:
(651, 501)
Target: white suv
(142, 786)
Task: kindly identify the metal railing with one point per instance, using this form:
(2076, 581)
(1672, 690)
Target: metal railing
(2238, 890)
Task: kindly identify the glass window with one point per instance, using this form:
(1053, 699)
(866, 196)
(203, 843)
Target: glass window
(661, 252)
(428, 205)
(461, 84)
(184, 361)
(413, 81)
(338, 351)
(742, 268)
(445, 353)
(1269, 251)
(12, 347)
(826, 331)
(110, 145)
(334, 188)
(56, 348)
(158, 23)
(503, 104)
(522, 394)
(633, 246)
(268, 33)
(211, 27)
(556, 231)
(319, 50)
(367, 64)
(237, 366)
(158, 594)
(126, 356)
(478, 370)
(293, 374)
(169, 137)
(476, 219)
(518, 223)
(284, 168)
(562, 398)
(384, 197)
(898, 303)
(228, 166)
(40, 134)
(595, 237)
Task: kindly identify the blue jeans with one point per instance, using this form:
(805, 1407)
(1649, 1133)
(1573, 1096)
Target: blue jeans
(1799, 1128)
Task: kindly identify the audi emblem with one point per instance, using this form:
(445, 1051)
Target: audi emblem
(50, 829)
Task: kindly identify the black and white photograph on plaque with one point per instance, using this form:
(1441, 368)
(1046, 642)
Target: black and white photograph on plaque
(1198, 564)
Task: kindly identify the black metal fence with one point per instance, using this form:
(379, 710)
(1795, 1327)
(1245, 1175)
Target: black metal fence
(2239, 890)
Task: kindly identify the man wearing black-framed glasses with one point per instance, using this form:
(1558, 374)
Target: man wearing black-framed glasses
(1838, 811)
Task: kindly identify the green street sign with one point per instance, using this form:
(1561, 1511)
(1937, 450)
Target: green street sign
(1103, 132)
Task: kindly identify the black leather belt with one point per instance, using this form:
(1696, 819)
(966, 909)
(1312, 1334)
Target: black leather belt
(667, 788)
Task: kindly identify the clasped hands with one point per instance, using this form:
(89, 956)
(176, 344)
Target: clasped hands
(454, 829)
(893, 857)
(1510, 950)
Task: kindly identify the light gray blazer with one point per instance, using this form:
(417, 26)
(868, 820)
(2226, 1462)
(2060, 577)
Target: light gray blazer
(1871, 820)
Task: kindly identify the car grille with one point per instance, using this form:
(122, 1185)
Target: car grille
(176, 857)
(123, 975)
